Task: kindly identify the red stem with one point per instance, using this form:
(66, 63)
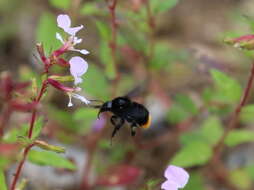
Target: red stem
(113, 42)
(5, 115)
(220, 145)
(30, 133)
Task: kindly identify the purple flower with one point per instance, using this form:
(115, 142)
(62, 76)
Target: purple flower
(78, 67)
(177, 177)
(64, 22)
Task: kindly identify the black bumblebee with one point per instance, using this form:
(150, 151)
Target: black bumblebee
(124, 109)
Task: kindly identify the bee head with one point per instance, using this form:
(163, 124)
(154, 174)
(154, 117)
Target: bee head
(116, 104)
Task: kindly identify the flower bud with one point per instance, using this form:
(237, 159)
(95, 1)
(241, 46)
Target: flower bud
(244, 42)
(60, 86)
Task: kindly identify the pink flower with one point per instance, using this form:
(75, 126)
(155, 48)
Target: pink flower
(177, 177)
(64, 22)
(78, 67)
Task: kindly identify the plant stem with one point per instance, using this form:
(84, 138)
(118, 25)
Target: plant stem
(220, 145)
(20, 166)
(113, 43)
(5, 115)
(30, 133)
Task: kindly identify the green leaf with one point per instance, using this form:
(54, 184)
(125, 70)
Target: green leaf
(228, 90)
(239, 136)
(46, 158)
(60, 4)
(104, 31)
(250, 170)
(193, 154)
(240, 178)
(46, 32)
(38, 125)
(49, 147)
(196, 182)
(91, 8)
(3, 185)
(211, 130)
(95, 83)
(177, 114)
(159, 6)
(247, 114)
(183, 108)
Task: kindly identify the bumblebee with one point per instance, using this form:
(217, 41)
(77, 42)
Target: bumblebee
(125, 110)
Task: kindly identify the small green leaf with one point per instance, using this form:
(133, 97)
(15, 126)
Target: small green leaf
(49, 147)
(3, 185)
(177, 114)
(60, 4)
(196, 182)
(211, 130)
(46, 158)
(228, 90)
(159, 6)
(240, 178)
(193, 154)
(38, 125)
(91, 8)
(46, 32)
(104, 31)
(247, 114)
(183, 108)
(239, 136)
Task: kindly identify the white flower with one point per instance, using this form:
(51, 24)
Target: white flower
(64, 22)
(176, 176)
(78, 67)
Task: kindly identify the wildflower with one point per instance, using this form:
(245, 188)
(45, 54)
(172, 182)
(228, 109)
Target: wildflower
(64, 22)
(78, 67)
(177, 177)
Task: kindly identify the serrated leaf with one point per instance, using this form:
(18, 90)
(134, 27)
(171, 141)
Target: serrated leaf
(159, 6)
(60, 4)
(46, 32)
(3, 185)
(193, 154)
(47, 158)
(239, 136)
(228, 90)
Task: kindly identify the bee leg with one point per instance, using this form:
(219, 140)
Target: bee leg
(116, 124)
(133, 129)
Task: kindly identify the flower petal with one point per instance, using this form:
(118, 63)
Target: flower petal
(63, 21)
(177, 175)
(78, 66)
(84, 51)
(72, 31)
(59, 37)
(82, 98)
(169, 185)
